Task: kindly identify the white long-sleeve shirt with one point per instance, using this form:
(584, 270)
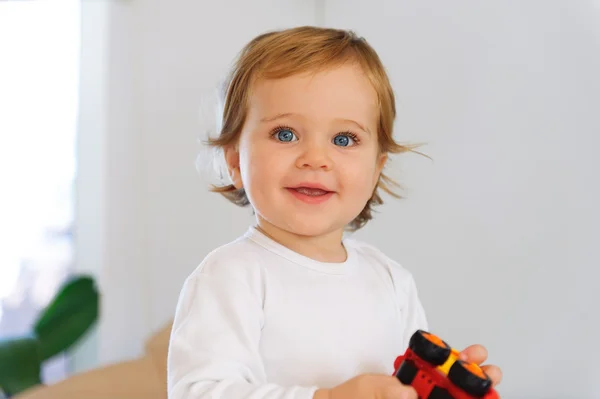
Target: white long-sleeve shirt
(256, 320)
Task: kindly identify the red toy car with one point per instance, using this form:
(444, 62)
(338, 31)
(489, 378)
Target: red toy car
(432, 367)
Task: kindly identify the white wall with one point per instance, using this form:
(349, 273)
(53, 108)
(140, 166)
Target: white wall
(501, 229)
(498, 229)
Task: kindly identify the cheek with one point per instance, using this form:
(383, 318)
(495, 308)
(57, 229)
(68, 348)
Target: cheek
(261, 166)
(359, 179)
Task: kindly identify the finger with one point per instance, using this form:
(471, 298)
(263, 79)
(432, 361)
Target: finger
(475, 354)
(494, 373)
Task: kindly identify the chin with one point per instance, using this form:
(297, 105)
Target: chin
(311, 227)
(305, 221)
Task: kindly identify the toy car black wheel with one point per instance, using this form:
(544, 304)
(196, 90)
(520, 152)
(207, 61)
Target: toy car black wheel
(429, 347)
(470, 378)
(407, 372)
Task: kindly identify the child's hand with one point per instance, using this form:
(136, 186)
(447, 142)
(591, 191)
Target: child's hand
(369, 386)
(478, 354)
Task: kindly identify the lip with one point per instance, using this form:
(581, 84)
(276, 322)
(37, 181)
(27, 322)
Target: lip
(311, 185)
(309, 199)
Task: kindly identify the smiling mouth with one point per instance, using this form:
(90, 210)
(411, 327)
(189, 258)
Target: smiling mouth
(311, 195)
(313, 192)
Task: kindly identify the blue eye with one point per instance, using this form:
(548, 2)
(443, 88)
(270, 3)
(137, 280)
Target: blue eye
(343, 140)
(285, 135)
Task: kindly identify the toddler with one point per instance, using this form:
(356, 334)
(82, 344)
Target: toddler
(292, 309)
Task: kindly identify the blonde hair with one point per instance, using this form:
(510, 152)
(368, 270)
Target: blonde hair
(283, 53)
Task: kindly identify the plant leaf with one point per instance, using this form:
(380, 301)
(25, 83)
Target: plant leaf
(20, 364)
(68, 317)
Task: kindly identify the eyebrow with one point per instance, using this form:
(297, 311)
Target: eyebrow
(275, 117)
(288, 114)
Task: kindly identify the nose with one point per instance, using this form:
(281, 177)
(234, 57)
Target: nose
(314, 156)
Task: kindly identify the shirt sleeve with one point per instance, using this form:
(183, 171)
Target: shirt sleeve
(415, 318)
(214, 344)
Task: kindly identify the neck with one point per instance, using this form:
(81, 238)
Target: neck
(323, 248)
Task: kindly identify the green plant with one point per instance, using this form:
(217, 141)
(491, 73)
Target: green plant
(70, 314)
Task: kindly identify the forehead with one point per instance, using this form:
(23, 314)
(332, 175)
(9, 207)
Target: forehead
(340, 92)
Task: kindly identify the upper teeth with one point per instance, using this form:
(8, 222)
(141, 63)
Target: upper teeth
(311, 191)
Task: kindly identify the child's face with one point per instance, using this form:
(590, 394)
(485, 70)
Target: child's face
(313, 130)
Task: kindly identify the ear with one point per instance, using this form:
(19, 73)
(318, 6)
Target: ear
(381, 160)
(232, 158)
